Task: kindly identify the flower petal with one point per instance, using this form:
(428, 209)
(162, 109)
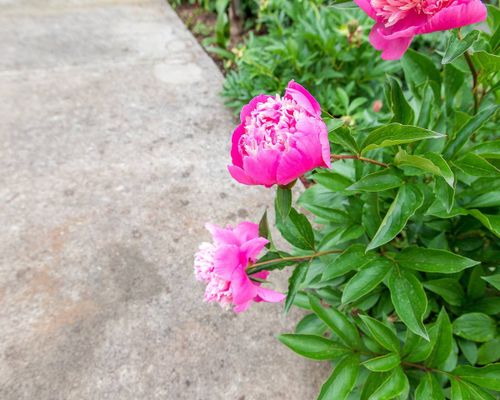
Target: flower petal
(269, 295)
(248, 108)
(246, 231)
(392, 49)
(226, 260)
(303, 97)
(253, 247)
(366, 6)
(242, 287)
(291, 166)
(455, 16)
(235, 150)
(239, 175)
(262, 167)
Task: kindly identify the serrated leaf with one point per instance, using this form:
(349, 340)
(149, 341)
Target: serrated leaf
(409, 299)
(367, 279)
(378, 181)
(433, 260)
(382, 363)
(337, 322)
(381, 333)
(313, 347)
(393, 386)
(476, 326)
(408, 200)
(394, 134)
(342, 380)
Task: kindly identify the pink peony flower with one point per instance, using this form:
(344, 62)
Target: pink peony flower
(222, 266)
(279, 139)
(398, 21)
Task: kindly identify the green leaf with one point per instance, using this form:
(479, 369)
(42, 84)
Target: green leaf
(393, 386)
(433, 260)
(371, 218)
(332, 181)
(298, 275)
(283, 203)
(381, 333)
(487, 149)
(416, 348)
(402, 111)
(352, 258)
(366, 279)
(444, 168)
(297, 230)
(493, 280)
(456, 47)
(475, 165)
(378, 181)
(330, 214)
(488, 63)
(429, 388)
(465, 132)
(409, 299)
(419, 68)
(445, 195)
(311, 325)
(342, 380)
(264, 229)
(489, 352)
(469, 350)
(492, 222)
(477, 327)
(337, 322)
(344, 138)
(449, 289)
(442, 336)
(407, 201)
(394, 134)
(383, 363)
(313, 347)
(488, 377)
(462, 390)
(405, 159)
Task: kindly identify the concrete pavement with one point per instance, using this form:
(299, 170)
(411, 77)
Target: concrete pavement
(113, 146)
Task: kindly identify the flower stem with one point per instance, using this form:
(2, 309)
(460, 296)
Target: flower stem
(255, 267)
(358, 157)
